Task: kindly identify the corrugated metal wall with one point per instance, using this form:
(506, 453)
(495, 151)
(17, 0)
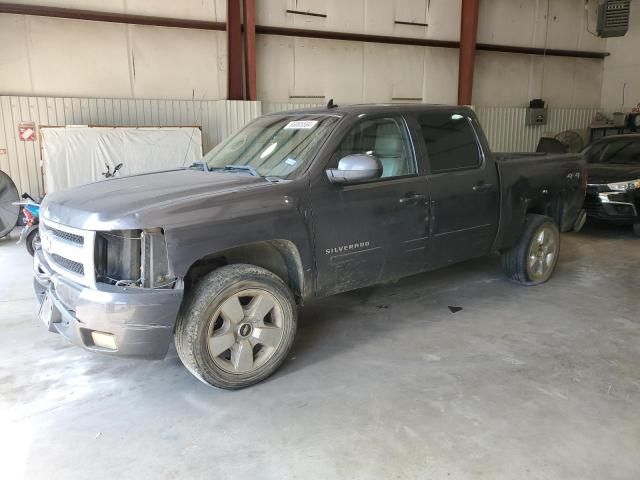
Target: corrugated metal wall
(505, 127)
(217, 118)
(506, 130)
(273, 107)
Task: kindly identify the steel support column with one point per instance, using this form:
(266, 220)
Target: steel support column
(249, 30)
(234, 51)
(468, 38)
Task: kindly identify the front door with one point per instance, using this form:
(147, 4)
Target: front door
(464, 190)
(377, 230)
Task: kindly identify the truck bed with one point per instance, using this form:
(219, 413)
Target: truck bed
(549, 184)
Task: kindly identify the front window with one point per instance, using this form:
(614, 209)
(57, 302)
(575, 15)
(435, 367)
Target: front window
(272, 146)
(385, 139)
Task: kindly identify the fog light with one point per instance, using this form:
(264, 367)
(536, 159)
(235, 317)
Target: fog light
(104, 340)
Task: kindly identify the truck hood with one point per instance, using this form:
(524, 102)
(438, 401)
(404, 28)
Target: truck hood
(602, 173)
(135, 201)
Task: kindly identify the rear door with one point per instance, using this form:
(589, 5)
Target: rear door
(372, 231)
(463, 188)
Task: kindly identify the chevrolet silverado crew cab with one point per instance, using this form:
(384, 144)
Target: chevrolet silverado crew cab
(296, 205)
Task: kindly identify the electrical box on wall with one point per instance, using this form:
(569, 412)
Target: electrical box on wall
(536, 113)
(536, 116)
(613, 18)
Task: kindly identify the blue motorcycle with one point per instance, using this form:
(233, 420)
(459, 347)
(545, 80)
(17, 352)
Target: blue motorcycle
(31, 216)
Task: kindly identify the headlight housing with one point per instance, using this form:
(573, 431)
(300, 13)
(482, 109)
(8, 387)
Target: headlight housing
(624, 186)
(133, 258)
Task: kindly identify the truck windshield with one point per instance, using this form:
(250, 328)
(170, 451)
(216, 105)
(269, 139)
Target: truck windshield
(272, 146)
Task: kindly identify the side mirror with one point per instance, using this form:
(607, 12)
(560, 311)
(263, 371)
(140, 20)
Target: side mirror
(355, 168)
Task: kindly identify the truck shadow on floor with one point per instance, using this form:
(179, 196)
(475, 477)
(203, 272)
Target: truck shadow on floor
(336, 324)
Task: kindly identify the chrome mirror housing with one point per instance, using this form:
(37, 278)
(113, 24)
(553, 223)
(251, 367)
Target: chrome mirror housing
(355, 168)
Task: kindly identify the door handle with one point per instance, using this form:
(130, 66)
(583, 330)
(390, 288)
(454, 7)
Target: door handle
(482, 187)
(411, 198)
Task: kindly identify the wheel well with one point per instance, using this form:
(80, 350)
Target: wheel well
(280, 257)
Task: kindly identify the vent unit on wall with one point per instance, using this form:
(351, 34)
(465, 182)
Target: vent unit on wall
(613, 18)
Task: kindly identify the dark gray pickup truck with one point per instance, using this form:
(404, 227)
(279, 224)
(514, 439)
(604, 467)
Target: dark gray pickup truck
(296, 205)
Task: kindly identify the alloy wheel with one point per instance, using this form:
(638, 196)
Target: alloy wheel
(245, 331)
(543, 253)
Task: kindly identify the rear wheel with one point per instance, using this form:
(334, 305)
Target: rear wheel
(236, 327)
(636, 229)
(533, 259)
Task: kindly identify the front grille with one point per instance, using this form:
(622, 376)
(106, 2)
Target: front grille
(68, 236)
(69, 265)
(69, 251)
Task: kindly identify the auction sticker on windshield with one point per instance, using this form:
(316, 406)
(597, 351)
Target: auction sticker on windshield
(301, 125)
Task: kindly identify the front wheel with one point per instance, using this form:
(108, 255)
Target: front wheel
(636, 229)
(533, 259)
(33, 242)
(236, 326)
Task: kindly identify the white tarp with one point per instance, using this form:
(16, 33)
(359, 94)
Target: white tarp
(77, 155)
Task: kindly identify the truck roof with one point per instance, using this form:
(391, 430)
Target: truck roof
(372, 108)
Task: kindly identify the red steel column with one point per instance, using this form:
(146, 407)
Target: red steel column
(468, 37)
(249, 7)
(235, 89)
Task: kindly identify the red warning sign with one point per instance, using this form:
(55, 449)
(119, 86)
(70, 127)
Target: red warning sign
(27, 131)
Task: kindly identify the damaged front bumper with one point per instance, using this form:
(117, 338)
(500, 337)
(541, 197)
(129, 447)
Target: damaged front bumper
(138, 321)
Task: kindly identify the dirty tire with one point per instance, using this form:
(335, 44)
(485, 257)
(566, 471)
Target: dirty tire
(33, 239)
(205, 309)
(636, 229)
(515, 261)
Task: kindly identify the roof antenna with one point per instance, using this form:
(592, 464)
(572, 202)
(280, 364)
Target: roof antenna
(331, 105)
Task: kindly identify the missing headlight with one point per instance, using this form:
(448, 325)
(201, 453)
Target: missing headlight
(133, 258)
(117, 257)
(155, 270)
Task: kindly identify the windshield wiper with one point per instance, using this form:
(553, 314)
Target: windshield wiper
(244, 168)
(199, 166)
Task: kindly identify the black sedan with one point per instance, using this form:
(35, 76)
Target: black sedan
(613, 192)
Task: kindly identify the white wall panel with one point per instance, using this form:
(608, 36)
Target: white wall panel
(274, 65)
(393, 72)
(621, 82)
(524, 23)
(76, 56)
(440, 76)
(14, 53)
(62, 57)
(507, 79)
(177, 63)
(300, 69)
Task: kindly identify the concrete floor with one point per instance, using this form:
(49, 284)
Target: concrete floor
(536, 383)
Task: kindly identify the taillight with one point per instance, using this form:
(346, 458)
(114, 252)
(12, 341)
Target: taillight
(585, 178)
(28, 216)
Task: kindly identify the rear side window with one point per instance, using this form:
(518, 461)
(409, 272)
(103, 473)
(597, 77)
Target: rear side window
(451, 142)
